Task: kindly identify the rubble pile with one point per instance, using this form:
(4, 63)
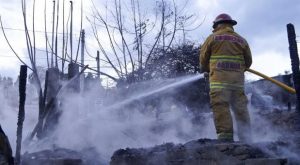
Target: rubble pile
(61, 156)
(282, 119)
(202, 151)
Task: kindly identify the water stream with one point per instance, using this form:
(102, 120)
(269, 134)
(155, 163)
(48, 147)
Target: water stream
(177, 83)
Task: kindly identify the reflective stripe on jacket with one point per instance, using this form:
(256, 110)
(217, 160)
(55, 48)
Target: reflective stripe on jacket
(221, 85)
(225, 55)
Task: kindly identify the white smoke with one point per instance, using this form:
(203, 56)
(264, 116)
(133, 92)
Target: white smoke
(263, 130)
(9, 106)
(86, 122)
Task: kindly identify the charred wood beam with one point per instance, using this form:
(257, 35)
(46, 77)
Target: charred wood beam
(294, 61)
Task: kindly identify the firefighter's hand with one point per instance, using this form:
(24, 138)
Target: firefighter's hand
(206, 75)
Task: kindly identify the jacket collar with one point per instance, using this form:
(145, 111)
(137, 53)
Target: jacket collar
(224, 27)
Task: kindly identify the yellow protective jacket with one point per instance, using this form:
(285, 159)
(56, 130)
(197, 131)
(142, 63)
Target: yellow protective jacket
(225, 55)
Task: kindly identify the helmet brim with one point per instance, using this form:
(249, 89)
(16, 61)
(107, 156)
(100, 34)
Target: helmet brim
(232, 22)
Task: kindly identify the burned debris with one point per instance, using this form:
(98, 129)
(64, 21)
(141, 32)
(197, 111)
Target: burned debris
(202, 151)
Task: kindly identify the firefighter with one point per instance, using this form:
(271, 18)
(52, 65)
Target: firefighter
(225, 55)
(6, 157)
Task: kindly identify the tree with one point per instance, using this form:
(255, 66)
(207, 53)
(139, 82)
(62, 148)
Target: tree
(134, 36)
(179, 61)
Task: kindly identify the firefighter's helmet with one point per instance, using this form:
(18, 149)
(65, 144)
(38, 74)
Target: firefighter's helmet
(223, 18)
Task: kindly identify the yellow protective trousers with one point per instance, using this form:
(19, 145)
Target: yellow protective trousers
(221, 101)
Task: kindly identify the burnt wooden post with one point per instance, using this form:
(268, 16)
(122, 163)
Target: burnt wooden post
(296, 78)
(295, 61)
(51, 88)
(73, 70)
(53, 83)
(21, 115)
(82, 84)
(98, 64)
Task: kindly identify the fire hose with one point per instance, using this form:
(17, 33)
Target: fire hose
(280, 84)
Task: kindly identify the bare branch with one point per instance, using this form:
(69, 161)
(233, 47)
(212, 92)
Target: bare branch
(175, 25)
(46, 36)
(52, 45)
(29, 47)
(160, 32)
(81, 11)
(140, 37)
(197, 26)
(124, 42)
(136, 32)
(57, 20)
(66, 41)
(71, 31)
(89, 54)
(33, 32)
(110, 38)
(63, 38)
(28, 41)
(4, 34)
(183, 7)
(94, 28)
(120, 28)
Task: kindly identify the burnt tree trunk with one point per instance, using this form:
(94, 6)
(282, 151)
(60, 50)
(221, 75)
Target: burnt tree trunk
(50, 113)
(294, 60)
(42, 105)
(296, 78)
(21, 115)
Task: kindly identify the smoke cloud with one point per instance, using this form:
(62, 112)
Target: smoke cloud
(87, 123)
